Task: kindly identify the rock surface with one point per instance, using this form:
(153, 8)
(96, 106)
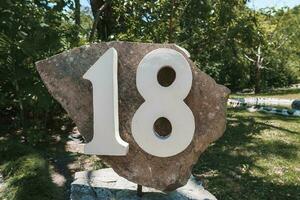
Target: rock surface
(1, 183)
(105, 184)
(1, 179)
(296, 104)
(62, 74)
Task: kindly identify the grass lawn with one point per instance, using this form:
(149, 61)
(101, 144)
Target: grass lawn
(281, 94)
(26, 173)
(42, 172)
(257, 158)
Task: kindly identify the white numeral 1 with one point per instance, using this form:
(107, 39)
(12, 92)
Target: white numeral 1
(103, 76)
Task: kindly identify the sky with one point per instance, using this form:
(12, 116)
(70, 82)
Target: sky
(255, 4)
(85, 3)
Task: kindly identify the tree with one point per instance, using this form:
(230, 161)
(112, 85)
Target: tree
(103, 20)
(217, 33)
(30, 31)
(268, 57)
(77, 20)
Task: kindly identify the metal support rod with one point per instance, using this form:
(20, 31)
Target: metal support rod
(139, 190)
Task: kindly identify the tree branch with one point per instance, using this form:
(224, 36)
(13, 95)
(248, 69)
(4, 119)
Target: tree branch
(96, 20)
(171, 23)
(250, 59)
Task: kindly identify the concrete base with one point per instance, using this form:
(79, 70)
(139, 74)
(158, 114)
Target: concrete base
(105, 184)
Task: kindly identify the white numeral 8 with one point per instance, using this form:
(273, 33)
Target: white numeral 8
(164, 102)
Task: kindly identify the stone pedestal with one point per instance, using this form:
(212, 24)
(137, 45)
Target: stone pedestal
(105, 184)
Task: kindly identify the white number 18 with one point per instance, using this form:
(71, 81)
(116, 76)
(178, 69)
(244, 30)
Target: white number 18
(159, 102)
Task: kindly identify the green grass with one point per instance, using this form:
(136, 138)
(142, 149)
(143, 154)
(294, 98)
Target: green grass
(257, 158)
(29, 170)
(281, 94)
(27, 175)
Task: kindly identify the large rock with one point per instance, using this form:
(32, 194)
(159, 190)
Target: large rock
(296, 104)
(62, 74)
(105, 184)
(1, 184)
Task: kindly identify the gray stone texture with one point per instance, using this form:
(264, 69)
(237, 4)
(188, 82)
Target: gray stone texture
(1, 183)
(105, 184)
(296, 104)
(62, 74)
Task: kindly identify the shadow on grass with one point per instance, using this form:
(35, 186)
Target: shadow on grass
(283, 92)
(26, 170)
(273, 93)
(226, 168)
(60, 159)
(26, 173)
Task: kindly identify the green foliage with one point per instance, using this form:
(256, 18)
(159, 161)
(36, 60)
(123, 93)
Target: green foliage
(279, 45)
(218, 34)
(30, 31)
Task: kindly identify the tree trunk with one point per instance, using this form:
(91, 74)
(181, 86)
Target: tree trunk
(258, 67)
(104, 23)
(171, 23)
(257, 88)
(20, 103)
(77, 21)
